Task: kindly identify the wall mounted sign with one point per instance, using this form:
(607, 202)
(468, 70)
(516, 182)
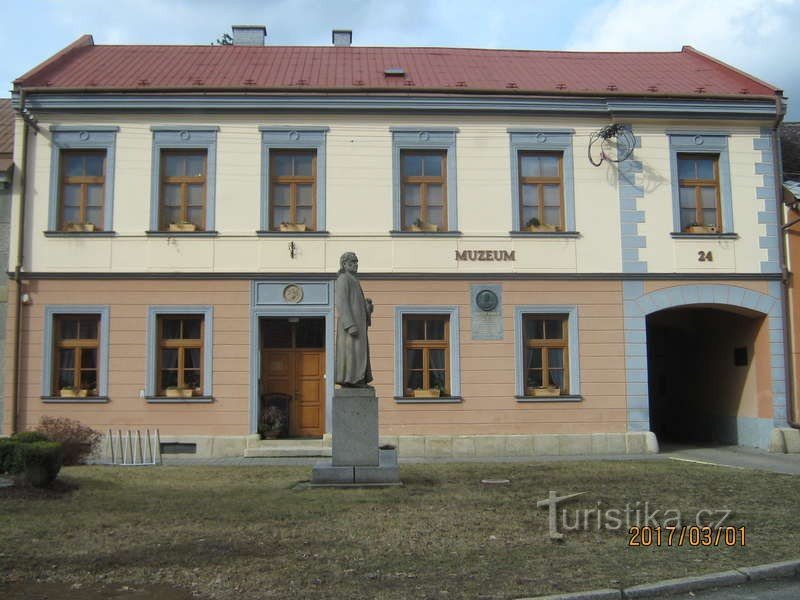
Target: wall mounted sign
(490, 255)
(487, 311)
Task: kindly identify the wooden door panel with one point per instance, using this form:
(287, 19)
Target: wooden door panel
(310, 396)
(277, 372)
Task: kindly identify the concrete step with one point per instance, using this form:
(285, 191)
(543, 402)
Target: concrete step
(276, 451)
(290, 442)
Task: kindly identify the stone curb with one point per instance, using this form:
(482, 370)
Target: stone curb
(778, 570)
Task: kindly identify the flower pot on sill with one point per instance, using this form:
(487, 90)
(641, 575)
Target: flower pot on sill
(73, 393)
(420, 393)
(543, 228)
(182, 227)
(174, 392)
(293, 226)
(426, 227)
(702, 229)
(79, 227)
(544, 391)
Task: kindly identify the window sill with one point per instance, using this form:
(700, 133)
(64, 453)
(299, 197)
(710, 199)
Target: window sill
(171, 400)
(76, 400)
(682, 235)
(562, 398)
(545, 234)
(182, 233)
(397, 233)
(263, 233)
(413, 400)
(69, 234)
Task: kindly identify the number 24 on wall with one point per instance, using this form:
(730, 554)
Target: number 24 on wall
(705, 256)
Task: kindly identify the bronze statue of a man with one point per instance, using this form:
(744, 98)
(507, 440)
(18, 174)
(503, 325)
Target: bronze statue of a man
(352, 367)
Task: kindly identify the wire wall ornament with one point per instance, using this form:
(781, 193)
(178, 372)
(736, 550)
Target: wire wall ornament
(613, 143)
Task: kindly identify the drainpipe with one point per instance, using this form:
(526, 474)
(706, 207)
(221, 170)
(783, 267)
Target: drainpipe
(785, 275)
(17, 276)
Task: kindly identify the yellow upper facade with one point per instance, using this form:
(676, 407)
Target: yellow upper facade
(618, 217)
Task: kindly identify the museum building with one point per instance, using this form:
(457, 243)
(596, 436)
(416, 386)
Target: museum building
(568, 252)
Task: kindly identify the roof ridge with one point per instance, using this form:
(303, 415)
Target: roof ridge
(84, 41)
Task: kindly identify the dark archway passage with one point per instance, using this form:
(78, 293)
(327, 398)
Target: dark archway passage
(702, 372)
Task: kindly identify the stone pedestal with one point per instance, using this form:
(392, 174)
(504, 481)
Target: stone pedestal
(355, 427)
(356, 458)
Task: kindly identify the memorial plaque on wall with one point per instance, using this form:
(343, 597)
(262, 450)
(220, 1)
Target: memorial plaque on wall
(487, 311)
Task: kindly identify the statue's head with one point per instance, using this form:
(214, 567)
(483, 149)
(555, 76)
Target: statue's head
(348, 262)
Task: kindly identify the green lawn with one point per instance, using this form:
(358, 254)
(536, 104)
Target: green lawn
(248, 532)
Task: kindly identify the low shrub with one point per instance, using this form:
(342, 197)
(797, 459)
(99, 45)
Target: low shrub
(28, 437)
(42, 461)
(9, 457)
(77, 439)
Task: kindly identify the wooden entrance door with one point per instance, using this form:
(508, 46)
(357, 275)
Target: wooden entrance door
(293, 363)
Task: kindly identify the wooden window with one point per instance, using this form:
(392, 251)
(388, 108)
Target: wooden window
(180, 355)
(293, 189)
(423, 190)
(183, 190)
(82, 193)
(426, 354)
(76, 354)
(546, 353)
(698, 188)
(541, 190)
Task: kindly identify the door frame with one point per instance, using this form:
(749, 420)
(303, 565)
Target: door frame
(317, 302)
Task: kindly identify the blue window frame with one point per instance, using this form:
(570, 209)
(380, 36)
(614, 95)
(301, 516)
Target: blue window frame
(570, 313)
(151, 383)
(453, 353)
(309, 138)
(66, 139)
(51, 314)
(543, 143)
(426, 140)
(177, 138)
(711, 145)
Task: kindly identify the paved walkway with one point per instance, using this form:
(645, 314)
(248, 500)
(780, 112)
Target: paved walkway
(724, 456)
(782, 589)
(736, 457)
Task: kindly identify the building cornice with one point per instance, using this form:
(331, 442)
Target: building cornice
(608, 107)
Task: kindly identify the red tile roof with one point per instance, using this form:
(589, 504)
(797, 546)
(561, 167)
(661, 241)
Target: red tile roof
(86, 66)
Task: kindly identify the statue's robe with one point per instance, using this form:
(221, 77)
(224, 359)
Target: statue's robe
(352, 351)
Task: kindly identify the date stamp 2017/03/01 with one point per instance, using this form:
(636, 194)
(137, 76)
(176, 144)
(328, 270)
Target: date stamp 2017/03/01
(693, 535)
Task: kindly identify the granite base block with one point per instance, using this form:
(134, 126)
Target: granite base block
(385, 473)
(325, 472)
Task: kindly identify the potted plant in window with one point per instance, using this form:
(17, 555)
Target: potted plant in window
(79, 227)
(273, 424)
(284, 226)
(433, 392)
(73, 392)
(535, 224)
(420, 225)
(698, 228)
(545, 390)
(183, 226)
(179, 392)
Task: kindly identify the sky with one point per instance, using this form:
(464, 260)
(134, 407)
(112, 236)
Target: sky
(756, 36)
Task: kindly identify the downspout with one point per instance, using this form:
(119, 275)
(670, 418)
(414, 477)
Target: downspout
(785, 275)
(18, 267)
